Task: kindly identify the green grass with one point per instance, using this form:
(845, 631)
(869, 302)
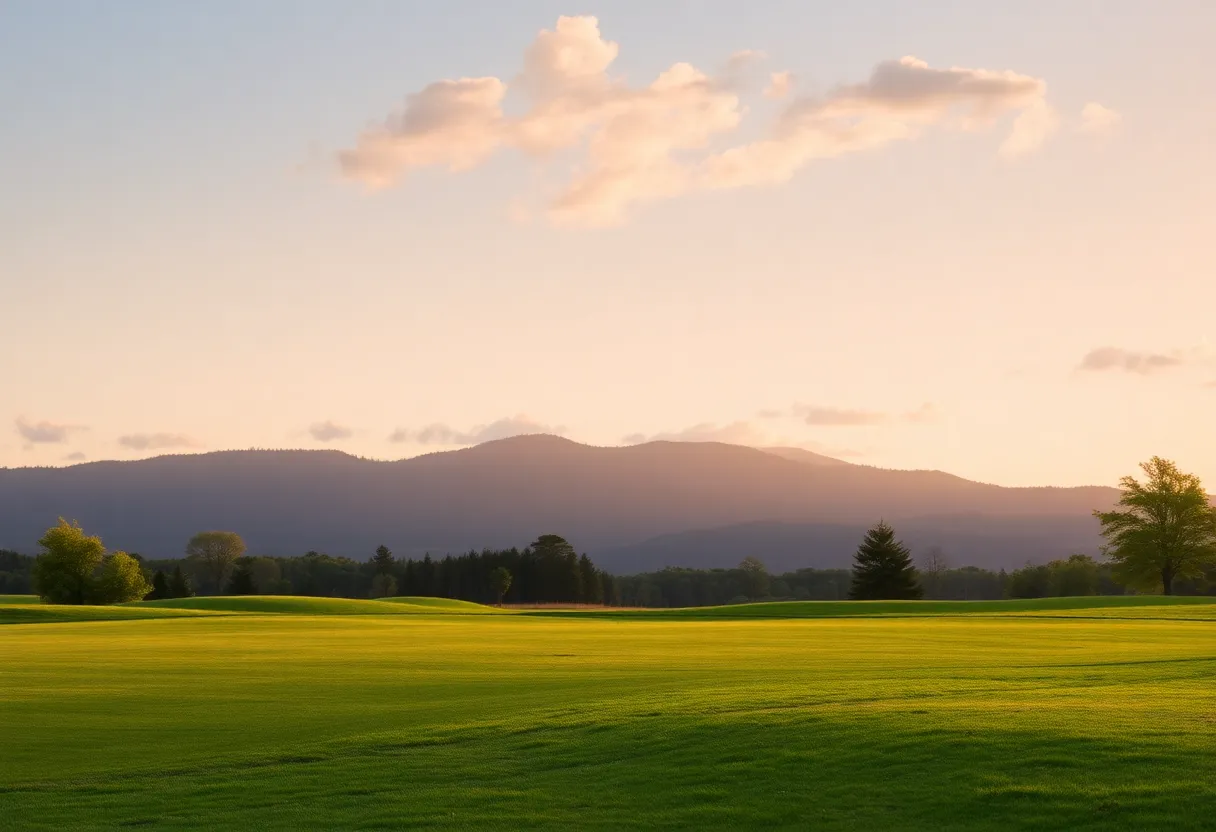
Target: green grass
(1013, 717)
(19, 599)
(302, 605)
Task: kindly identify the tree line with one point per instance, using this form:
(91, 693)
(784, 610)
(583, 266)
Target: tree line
(1160, 538)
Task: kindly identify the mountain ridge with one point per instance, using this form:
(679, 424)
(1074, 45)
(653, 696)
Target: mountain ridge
(500, 493)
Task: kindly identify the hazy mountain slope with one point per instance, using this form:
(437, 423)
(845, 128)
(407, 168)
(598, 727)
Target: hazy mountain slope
(992, 542)
(497, 494)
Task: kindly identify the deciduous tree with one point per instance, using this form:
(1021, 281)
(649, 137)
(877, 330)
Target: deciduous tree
(1164, 528)
(63, 573)
(217, 552)
(120, 580)
(500, 582)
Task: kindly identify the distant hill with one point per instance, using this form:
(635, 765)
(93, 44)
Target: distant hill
(611, 502)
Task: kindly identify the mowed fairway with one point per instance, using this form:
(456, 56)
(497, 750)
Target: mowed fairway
(1016, 717)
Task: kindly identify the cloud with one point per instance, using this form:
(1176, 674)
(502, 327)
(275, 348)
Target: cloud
(1099, 120)
(779, 85)
(1128, 361)
(45, 433)
(1031, 129)
(735, 433)
(76, 456)
(654, 141)
(838, 417)
(441, 434)
(328, 431)
(156, 441)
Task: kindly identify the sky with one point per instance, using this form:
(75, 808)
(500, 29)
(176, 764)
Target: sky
(974, 237)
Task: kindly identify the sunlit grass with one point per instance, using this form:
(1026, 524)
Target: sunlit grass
(282, 721)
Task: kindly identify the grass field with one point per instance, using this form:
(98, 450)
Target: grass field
(294, 713)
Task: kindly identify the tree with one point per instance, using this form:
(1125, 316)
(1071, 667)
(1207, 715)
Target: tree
(882, 568)
(1076, 576)
(500, 582)
(384, 586)
(755, 577)
(179, 585)
(121, 579)
(241, 582)
(63, 573)
(217, 552)
(160, 587)
(384, 562)
(1164, 528)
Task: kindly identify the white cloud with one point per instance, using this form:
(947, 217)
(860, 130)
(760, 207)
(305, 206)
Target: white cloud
(1099, 120)
(658, 140)
(156, 441)
(441, 434)
(76, 456)
(328, 431)
(44, 432)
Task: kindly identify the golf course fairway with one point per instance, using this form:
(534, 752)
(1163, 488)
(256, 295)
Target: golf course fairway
(298, 713)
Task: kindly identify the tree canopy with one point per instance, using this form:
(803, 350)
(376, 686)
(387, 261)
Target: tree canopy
(882, 568)
(1163, 529)
(217, 551)
(63, 573)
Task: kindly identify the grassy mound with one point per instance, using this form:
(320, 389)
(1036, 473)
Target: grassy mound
(39, 613)
(1139, 605)
(445, 604)
(285, 604)
(19, 599)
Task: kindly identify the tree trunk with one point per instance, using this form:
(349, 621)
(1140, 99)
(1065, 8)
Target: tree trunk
(1167, 581)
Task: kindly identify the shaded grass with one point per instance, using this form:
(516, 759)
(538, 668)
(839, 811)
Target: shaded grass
(307, 605)
(530, 721)
(19, 599)
(56, 613)
(835, 609)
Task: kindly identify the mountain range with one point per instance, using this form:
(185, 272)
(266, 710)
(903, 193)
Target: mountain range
(631, 508)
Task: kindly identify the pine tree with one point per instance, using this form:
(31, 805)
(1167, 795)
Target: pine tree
(383, 562)
(160, 587)
(179, 585)
(882, 568)
(241, 582)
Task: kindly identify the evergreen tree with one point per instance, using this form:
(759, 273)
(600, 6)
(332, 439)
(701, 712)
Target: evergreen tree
(179, 585)
(241, 582)
(882, 568)
(160, 587)
(384, 563)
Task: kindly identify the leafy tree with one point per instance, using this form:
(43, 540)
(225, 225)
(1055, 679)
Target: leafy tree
(63, 573)
(1164, 528)
(384, 563)
(241, 582)
(217, 552)
(121, 579)
(1079, 575)
(160, 587)
(882, 568)
(500, 582)
(384, 586)
(179, 585)
(755, 577)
